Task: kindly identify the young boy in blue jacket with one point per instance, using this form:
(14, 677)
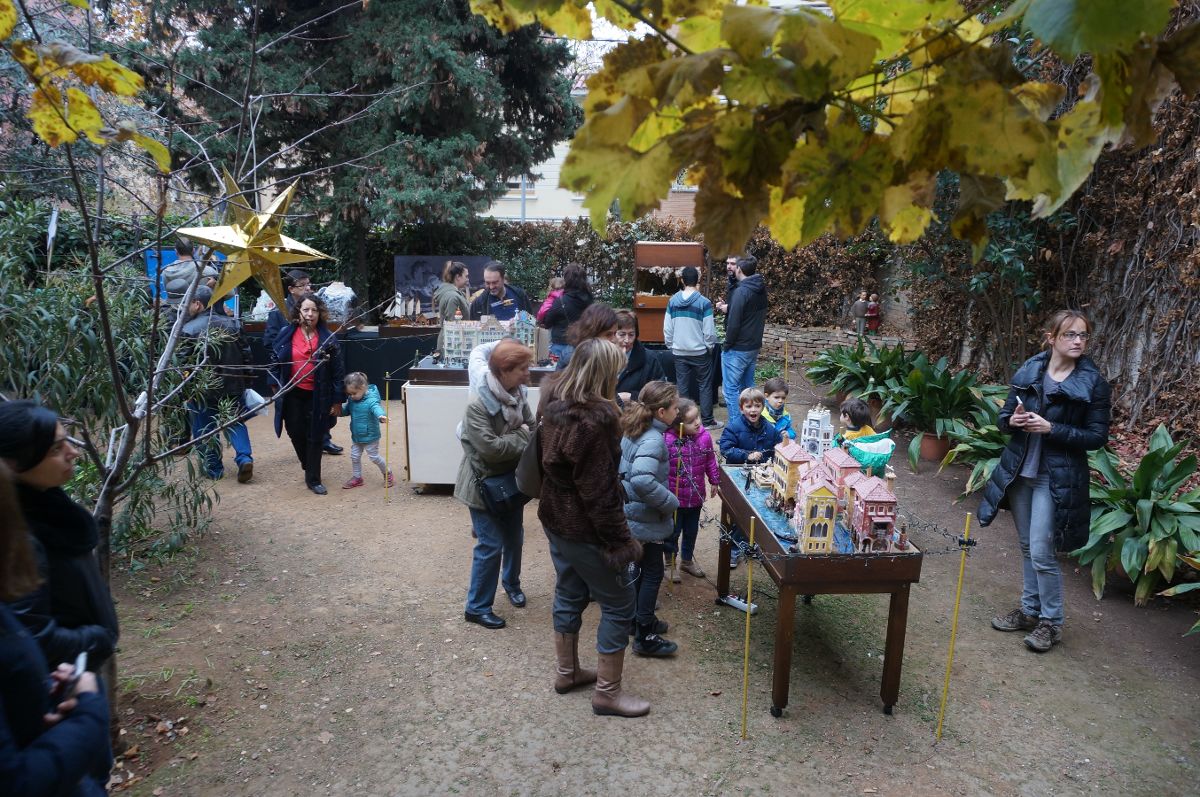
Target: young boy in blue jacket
(747, 439)
(775, 412)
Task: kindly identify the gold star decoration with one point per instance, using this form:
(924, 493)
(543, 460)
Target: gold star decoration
(253, 244)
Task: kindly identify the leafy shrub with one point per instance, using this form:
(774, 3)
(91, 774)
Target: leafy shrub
(978, 441)
(853, 369)
(1143, 522)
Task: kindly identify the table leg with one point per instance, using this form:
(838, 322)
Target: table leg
(785, 627)
(893, 651)
(723, 556)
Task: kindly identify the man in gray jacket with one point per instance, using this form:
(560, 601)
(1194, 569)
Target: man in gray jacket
(690, 332)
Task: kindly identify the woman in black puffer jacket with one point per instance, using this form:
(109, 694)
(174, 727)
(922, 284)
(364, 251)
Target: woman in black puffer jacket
(1057, 410)
(72, 611)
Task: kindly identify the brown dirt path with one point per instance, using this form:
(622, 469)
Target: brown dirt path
(317, 646)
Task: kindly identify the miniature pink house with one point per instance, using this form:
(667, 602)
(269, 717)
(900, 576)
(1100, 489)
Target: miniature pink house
(840, 465)
(874, 514)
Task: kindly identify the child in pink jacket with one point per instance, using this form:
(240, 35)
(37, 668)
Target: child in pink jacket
(692, 460)
(557, 284)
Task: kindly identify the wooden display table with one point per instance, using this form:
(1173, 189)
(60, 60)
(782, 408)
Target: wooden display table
(815, 574)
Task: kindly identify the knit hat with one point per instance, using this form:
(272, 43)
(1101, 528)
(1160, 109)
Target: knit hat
(27, 431)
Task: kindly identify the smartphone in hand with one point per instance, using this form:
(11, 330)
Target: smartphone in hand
(68, 686)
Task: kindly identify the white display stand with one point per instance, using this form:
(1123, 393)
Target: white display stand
(431, 415)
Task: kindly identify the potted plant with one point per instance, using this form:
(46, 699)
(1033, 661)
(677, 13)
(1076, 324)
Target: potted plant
(978, 441)
(1143, 522)
(851, 370)
(929, 398)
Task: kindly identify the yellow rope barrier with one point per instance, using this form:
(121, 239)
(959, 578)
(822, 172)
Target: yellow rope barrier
(746, 644)
(962, 567)
(387, 438)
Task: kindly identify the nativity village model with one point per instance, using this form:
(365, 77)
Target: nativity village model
(819, 494)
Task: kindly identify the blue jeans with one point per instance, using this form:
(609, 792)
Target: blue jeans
(498, 542)
(1032, 509)
(563, 352)
(737, 374)
(204, 420)
(584, 576)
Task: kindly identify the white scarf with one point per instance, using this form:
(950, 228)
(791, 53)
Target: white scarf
(511, 403)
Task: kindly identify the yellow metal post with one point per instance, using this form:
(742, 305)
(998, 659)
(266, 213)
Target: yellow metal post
(962, 568)
(746, 643)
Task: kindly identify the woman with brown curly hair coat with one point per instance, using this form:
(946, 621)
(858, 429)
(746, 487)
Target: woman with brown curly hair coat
(584, 518)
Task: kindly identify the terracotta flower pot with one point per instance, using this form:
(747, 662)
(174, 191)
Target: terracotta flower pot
(933, 448)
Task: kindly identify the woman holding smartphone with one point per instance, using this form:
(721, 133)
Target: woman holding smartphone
(71, 611)
(53, 730)
(1058, 409)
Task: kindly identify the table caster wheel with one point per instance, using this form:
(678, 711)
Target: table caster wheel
(776, 711)
(887, 710)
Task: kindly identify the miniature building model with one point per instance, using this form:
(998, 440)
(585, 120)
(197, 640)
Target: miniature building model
(460, 337)
(816, 508)
(840, 466)
(873, 517)
(790, 463)
(816, 435)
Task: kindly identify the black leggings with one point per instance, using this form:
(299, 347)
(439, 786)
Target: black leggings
(298, 421)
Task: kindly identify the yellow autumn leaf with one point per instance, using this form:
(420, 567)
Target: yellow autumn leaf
(8, 18)
(46, 113)
(906, 210)
(654, 128)
(22, 50)
(616, 173)
(569, 20)
(726, 220)
(92, 69)
(1081, 137)
(785, 218)
(83, 116)
(500, 16)
(614, 14)
(80, 4)
(156, 149)
(1040, 99)
(891, 22)
(699, 34)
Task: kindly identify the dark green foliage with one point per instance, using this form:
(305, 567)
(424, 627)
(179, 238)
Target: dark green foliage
(54, 353)
(405, 112)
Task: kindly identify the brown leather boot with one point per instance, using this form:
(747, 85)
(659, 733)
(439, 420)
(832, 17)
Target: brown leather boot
(569, 673)
(608, 699)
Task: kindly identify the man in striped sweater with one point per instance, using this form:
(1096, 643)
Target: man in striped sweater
(690, 332)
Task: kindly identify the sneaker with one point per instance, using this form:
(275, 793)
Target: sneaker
(390, 481)
(690, 567)
(1016, 620)
(713, 424)
(673, 572)
(1045, 636)
(245, 472)
(355, 482)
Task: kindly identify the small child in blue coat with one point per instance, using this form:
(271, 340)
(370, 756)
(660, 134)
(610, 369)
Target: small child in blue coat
(775, 412)
(366, 413)
(747, 439)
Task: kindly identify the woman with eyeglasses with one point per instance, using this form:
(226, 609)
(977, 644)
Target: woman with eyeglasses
(583, 514)
(1057, 410)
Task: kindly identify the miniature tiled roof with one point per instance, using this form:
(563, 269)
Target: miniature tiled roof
(838, 458)
(815, 480)
(874, 488)
(853, 479)
(882, 519)
(793, 452)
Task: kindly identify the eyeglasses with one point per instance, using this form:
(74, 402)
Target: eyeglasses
(1082, 337)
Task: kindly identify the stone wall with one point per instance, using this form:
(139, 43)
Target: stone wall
(805, 342)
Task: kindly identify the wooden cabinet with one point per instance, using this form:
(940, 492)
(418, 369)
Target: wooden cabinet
(656, 277)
